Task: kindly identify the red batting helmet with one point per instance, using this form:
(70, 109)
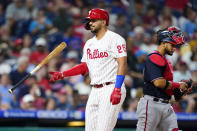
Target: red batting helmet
(98, 14)
(172, 35)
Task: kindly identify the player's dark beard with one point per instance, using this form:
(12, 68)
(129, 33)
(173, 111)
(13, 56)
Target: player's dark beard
(167, 52)
(95, 31)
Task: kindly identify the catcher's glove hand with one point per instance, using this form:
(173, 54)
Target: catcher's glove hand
(178, 93)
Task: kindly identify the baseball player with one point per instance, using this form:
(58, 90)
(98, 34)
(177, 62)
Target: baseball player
(104, 57)
(154, 110)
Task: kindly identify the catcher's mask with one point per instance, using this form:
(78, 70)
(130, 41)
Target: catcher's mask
(172, 35)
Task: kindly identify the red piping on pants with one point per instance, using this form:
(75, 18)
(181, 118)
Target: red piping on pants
(146, 115)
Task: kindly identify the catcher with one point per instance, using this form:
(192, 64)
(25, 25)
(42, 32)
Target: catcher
(154, 110)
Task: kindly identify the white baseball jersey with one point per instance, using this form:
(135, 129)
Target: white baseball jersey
(99, 56)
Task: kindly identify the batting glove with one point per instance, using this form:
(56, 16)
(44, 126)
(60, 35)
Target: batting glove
(115, 96)
(56, 76)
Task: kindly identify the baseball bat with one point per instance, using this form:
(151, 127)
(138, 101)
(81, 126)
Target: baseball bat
(56, 51)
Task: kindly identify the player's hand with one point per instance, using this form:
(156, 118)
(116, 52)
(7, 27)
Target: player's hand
(115, 96)
(56, 76)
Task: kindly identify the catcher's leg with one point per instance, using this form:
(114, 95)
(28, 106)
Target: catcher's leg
(148, 115)
(169, 120)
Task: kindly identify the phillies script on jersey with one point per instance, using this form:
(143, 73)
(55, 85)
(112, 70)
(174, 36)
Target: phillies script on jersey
(96, 54)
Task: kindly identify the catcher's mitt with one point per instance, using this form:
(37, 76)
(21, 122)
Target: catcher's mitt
(178, 93)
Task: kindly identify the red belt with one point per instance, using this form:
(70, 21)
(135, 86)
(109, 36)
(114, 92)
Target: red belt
(101, 85)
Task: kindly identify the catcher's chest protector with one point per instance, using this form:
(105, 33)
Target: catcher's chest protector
(168, 73)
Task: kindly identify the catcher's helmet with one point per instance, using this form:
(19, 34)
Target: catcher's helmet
(172, 35)
(96, 14)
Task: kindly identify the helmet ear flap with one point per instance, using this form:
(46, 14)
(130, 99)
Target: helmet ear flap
(160, 35)
(86, 23)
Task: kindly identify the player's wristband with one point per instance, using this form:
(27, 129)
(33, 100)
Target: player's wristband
(119, 80)
(167, 84)
(175, 85)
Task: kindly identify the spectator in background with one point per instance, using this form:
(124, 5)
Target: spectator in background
(17, 74)
(182, 72)
(136, 69)
(191, 99)
(148, 46)
(27, 102)
(128, 81)
(136, 7)
(184, 17)
(165, 23)
(26, 52)
(84, 84)
(16, 48)
(134, 22)
(42, 78)
(83, 89)
(52, 65)
(62, 21)
(14, 13)
(117, 7)
(83, 98)
(6, 100)
(27, 41)
(26, 88)
(139, 33)
(131, 46)
(62, 102)
(4, 66)
(132, 104)
(50, 104)
(31, 9)
(186, 50)
(2, 15)
(150, 19)
(177, 7)
(71, 61)
(191, 25)
(38, 95)
(78, 26)
(37, 56)
(74, 42)
(166, 14)
(30, 14)
(20, 72)
(190, 56)
(121, 26)
(40, 25)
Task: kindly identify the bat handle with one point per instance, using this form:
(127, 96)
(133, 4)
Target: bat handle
(20, 82)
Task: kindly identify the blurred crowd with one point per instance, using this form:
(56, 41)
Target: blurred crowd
(31, 29)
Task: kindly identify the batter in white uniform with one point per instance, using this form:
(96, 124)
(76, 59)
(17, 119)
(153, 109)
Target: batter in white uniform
(104, 57)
